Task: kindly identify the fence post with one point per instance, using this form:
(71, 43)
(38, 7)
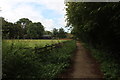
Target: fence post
(49, 47)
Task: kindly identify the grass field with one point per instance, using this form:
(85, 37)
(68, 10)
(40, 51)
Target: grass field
(31, 43)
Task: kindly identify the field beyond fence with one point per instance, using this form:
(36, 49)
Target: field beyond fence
(46, 48)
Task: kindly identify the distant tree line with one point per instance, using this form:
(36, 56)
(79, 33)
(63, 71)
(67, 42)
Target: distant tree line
(59, 33)
(26, 29)
(22, 29)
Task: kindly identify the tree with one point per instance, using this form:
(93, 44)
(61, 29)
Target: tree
(5, 30)
(9, 30)
(24, 28)
(48, 33)
(35, 30)
(96, 24)
(18, 31)
(61, 33)
(24, 24)
(55, 32)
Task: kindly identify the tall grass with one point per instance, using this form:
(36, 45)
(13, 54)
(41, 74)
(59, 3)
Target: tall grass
(109, 65)
(25, 63)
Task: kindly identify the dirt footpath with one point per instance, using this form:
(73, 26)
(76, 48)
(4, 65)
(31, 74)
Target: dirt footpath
(84, 65)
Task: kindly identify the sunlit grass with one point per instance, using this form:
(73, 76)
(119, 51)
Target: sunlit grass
(32, 43)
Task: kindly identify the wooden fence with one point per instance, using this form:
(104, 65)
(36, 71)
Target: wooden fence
(47, 48)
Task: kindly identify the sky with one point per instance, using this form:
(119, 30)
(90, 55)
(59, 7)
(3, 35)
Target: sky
(50, 13)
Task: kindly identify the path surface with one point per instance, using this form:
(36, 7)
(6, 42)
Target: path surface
(84, 65)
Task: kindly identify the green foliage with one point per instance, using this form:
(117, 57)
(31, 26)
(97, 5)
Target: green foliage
(109, 66)
(22, 29)
(10, 30)
(25, 63)
(59, 33)
(97, 24)
(24, 24)
(26, 29)
(35, 30)
(48, 33)
(62, 33)
(55, 32)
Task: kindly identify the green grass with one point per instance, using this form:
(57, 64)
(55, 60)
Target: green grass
(32, 43)
(109, 65)
(25, 63)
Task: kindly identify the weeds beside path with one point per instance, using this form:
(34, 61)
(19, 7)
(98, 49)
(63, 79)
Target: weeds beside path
(84, 65)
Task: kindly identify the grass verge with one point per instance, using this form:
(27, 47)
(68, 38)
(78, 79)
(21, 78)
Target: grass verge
(109, 66)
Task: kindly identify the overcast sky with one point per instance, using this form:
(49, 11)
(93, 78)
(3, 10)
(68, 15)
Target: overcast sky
(49, 12)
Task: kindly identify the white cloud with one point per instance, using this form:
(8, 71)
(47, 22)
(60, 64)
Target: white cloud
(13, 10)
(57, 5)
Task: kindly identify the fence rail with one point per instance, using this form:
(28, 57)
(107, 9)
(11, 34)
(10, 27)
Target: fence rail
(47, 48)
